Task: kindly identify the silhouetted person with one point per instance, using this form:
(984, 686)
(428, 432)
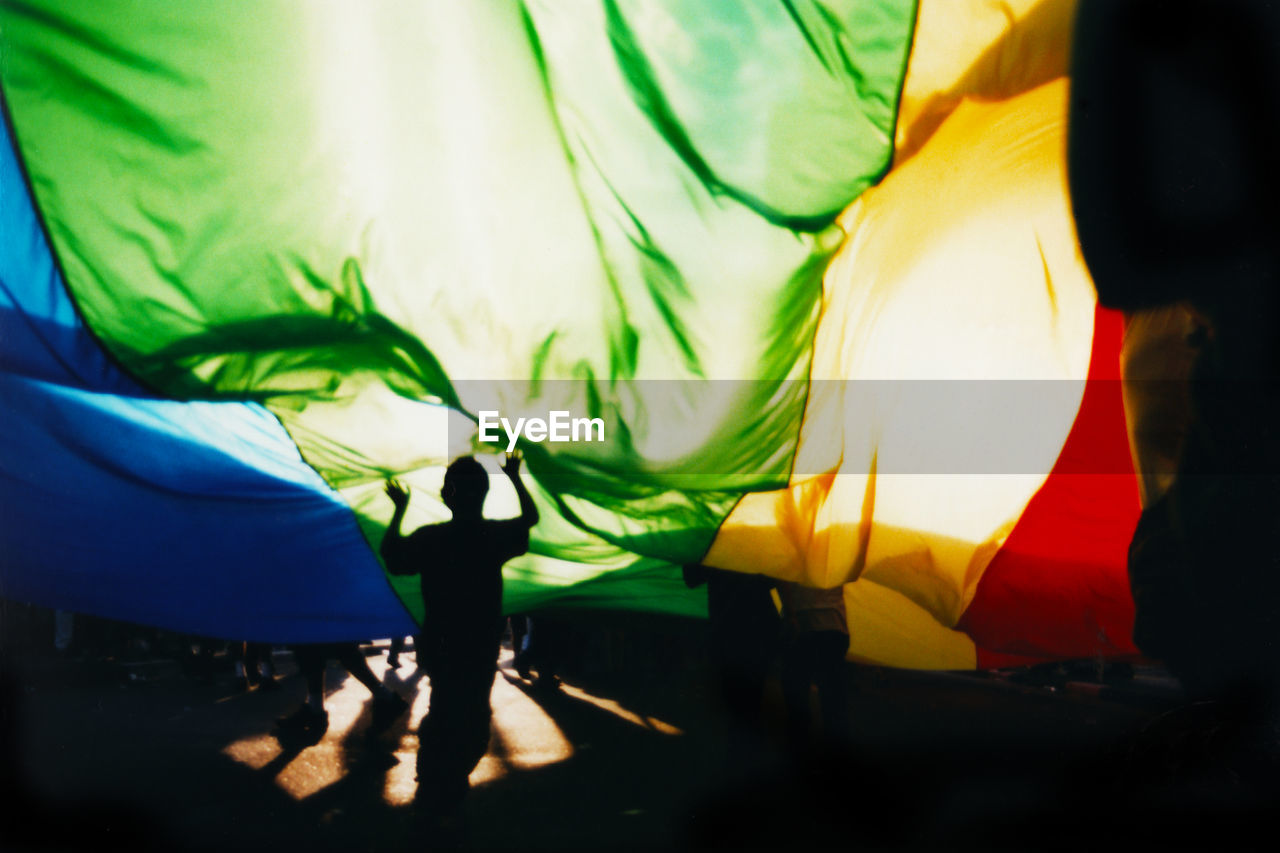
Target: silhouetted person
(460, 562)
(311, 721)
(814, 648)
(744, 627)
(1171, 157)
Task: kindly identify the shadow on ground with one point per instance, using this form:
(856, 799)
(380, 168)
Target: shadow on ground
(637, 758)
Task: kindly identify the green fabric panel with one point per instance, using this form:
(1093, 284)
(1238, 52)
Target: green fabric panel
(363, 214)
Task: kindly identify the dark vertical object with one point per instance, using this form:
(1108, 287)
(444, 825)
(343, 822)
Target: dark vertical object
(1174, 130)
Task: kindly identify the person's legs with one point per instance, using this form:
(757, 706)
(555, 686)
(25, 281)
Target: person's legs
(310, 720)
(387, 704)
(238, 652)
(311, 663)
(452, 740)
(520, 643)
(426, 649)
(546, 639)
(454, 736)
(263, 664)
(353, 661)
(248, 662)
(251, 656)
(393, 653)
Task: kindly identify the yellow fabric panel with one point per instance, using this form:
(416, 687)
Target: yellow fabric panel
(978, 49)
(887, 629)
(961, 265)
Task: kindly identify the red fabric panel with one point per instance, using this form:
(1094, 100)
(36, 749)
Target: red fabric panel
(1059, 587)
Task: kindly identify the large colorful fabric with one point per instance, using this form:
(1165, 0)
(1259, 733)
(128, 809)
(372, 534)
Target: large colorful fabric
(301, 247)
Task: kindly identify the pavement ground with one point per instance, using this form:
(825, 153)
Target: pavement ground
(147, 758)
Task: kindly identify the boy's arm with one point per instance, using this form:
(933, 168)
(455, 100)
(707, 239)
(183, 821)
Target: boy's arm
(528, 511)
(393, 550)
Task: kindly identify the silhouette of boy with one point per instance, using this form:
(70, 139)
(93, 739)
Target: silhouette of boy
(460, 562)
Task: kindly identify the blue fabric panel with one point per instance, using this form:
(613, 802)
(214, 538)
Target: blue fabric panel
(198, 517)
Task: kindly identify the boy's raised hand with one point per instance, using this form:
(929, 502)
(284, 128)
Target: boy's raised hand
(398, 493)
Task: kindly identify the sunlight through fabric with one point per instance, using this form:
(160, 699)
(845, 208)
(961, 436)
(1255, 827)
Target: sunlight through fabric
(810, 265)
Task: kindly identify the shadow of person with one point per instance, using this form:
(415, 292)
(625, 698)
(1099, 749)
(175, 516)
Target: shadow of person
(623, 774)
(289, 750)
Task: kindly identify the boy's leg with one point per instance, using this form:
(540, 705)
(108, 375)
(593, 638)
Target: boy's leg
(454, 737)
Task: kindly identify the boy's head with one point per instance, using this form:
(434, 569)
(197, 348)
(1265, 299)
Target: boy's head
(465, 486)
